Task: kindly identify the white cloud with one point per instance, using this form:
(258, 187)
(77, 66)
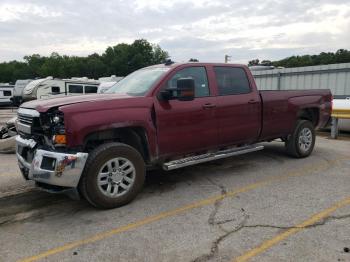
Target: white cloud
(10, 12)
(201, 29)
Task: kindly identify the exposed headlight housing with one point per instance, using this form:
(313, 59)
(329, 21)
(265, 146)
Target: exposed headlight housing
(56, 119)
(58, 129)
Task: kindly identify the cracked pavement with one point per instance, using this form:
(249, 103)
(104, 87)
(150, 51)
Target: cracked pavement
(32, 222)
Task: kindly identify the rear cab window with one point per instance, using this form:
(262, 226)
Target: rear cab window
(198, 73)
(231, 80)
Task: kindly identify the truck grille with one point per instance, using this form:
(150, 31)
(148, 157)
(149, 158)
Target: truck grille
(27, 120)
(24, 119)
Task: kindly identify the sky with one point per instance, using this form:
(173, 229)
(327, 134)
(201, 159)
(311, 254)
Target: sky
(203, 29)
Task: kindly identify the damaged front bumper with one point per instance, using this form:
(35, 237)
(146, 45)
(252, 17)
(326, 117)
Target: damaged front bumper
(49, 167)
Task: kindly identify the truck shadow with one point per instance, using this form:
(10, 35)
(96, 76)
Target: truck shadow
(37, 205)
(160, 181)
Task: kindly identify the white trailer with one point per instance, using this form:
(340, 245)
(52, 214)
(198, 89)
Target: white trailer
(107, 82)
(54, 87)
(18, 91)
(6, 93)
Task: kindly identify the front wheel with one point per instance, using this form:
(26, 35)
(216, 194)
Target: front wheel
(302, 141)
(114, 174)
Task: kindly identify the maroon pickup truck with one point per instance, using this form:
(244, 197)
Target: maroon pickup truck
(170, 116)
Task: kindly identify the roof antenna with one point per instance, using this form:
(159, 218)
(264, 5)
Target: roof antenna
(168, 62)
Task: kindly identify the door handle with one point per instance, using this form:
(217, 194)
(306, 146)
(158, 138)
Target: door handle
(208, 106)
(253, 101)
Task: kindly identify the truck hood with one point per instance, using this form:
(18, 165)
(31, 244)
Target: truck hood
(45, 104)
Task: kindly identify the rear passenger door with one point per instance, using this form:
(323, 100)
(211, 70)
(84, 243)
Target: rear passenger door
(238, 106)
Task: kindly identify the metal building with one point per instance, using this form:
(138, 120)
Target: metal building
(335, 77)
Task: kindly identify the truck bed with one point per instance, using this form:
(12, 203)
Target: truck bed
(280, 109)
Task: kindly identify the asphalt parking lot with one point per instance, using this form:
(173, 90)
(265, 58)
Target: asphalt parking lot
(262, 206)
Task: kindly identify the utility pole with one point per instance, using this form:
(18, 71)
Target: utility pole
(227, 58)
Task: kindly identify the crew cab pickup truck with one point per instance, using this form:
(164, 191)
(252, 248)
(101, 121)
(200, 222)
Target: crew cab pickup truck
(169, 116)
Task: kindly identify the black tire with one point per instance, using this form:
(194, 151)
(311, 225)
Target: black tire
(88, 185)
(292, 144)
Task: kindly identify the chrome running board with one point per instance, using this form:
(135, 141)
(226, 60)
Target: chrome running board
(193, 160)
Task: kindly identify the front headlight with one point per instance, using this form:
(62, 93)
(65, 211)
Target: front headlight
(56, 119)
(58, 129)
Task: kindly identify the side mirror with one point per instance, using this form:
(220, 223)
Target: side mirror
(166, 94)
(185, 89)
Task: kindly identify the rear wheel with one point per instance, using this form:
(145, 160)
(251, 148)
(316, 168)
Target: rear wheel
(302, 141)
(114, 174)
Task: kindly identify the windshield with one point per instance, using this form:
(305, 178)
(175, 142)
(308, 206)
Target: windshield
(138, 82)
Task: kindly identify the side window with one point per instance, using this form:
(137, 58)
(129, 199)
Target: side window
(90, 89)
(231, 80)
(55, 90)
(198, 73)
(75, 89)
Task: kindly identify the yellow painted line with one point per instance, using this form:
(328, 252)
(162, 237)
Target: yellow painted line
(163, 215)
(275, 240)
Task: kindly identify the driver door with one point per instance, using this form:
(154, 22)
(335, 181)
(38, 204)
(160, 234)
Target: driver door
(187, 126)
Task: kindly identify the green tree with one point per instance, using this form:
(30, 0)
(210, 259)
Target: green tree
(120, 60)
(53, 66)
(34, 63)
(340, 56)
(253, 62)
(159, 55)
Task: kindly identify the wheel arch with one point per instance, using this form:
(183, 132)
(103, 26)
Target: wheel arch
(134, 136)
(311, 114)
